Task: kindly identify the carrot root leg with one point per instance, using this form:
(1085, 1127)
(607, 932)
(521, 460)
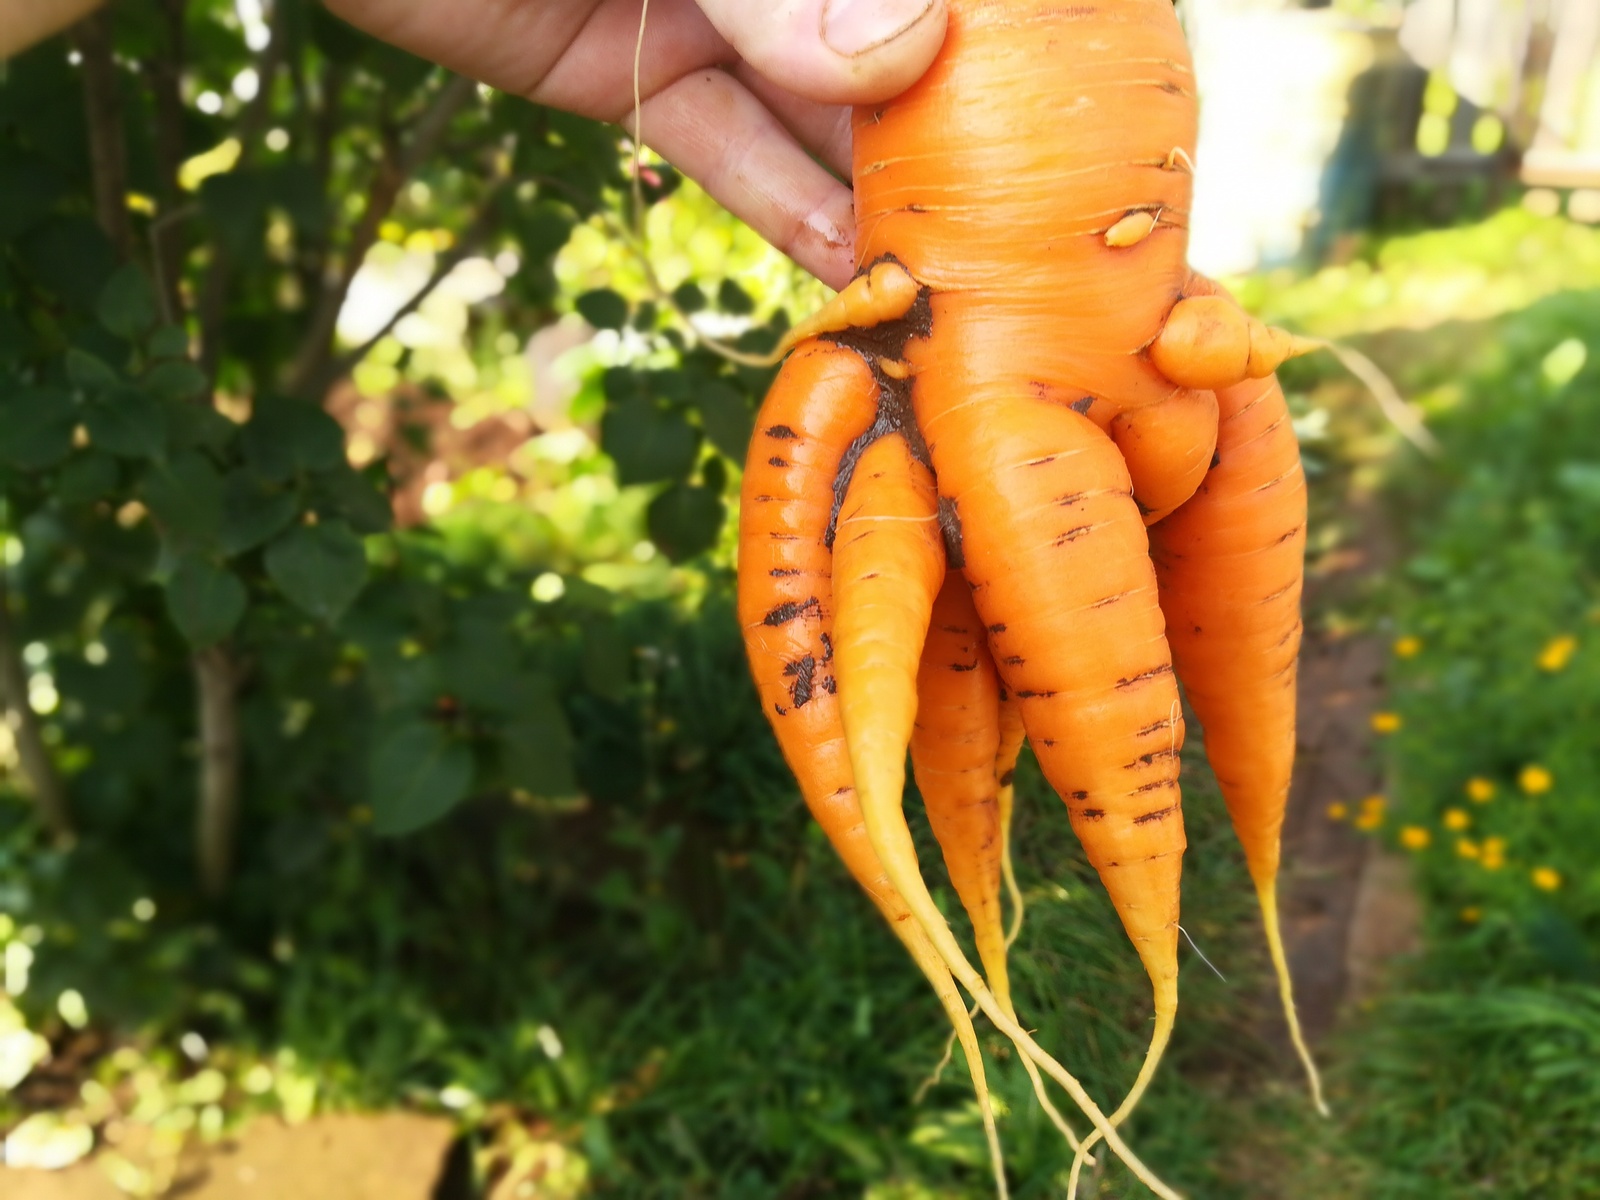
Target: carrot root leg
(1267, 893)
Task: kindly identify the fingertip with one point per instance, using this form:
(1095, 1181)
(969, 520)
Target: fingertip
(885, 45)
(835, 51)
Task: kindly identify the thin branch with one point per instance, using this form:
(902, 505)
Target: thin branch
(37, 768)
(108, 155)
(468, 242)
(216, 687)
(163, 244)
(310, 360)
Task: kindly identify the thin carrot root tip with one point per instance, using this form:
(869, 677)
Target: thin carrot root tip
(1267, 893)
(886, 292)
(1210, 342)
(1131, 230)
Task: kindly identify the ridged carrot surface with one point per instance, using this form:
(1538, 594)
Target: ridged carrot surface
(1230, 564)
(997, 199)
(825, 399)
(1043, 363)
(954, 748)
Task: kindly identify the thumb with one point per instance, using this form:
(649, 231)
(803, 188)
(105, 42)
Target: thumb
(834, 51)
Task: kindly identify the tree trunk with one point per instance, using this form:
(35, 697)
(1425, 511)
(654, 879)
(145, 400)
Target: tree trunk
(216, 683)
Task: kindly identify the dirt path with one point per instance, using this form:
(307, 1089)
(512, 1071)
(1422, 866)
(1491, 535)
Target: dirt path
(1348, 905)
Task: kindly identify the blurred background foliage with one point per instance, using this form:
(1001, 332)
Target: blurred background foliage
(378, 732)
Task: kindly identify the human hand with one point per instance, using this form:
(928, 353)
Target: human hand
(737, 94)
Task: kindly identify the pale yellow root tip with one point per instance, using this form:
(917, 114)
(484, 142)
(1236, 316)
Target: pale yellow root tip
(891, 839)
(980, 1085)
(1267, 892)
(1159, 1038)
(1028, 1065)
(927, 958)
(1007, 868)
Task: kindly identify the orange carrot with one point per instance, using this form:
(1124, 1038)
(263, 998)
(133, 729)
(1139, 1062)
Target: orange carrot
(1230, 564)
(1208, 341)
(824, 399)
(1012, 735)
(1168, 448)
(1006, 232)
(954, 746)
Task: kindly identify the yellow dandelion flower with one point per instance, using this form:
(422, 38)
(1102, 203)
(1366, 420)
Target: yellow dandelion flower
(1456, 818)
(1472, 914)
(1546, 879)
(1338, 810)
(1385, 722)
(1558, 652)
(1480, 790)
(1467, 848)
(1369, 819)
(1494, 845)
(1415, 837)
(1373, 803)
(1534, 779)
(1407, 647)
(1494, 853)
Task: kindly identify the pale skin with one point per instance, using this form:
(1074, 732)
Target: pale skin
(751, 98)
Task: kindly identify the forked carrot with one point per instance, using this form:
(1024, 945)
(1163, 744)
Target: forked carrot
(956, 747)
(823, 400)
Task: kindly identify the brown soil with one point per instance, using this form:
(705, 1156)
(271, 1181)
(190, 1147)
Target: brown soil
(1348, 906)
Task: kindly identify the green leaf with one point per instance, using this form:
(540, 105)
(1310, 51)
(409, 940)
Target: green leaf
(197, 426)
(688, 297)
(714, 475)
(204, 601)
(284, 436)
(537, 747)
(185, 497)
(727, 418)
(36, 425)
(236, 205)
(648, 443)
(541, 229)
(607, 658)
(253, 510)
(31, 187)
(170, 341)
(402, 73)
(87, 477)
(127, 304)
(732, 298)
(294, 187)
(1582, 479)
(415, 776)
(90, 373)
(175, 380)
(320, 568)
(342, 491)
(340, 42)
(684, 520)
(70, 257)
(602, 308)
(127, 423)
